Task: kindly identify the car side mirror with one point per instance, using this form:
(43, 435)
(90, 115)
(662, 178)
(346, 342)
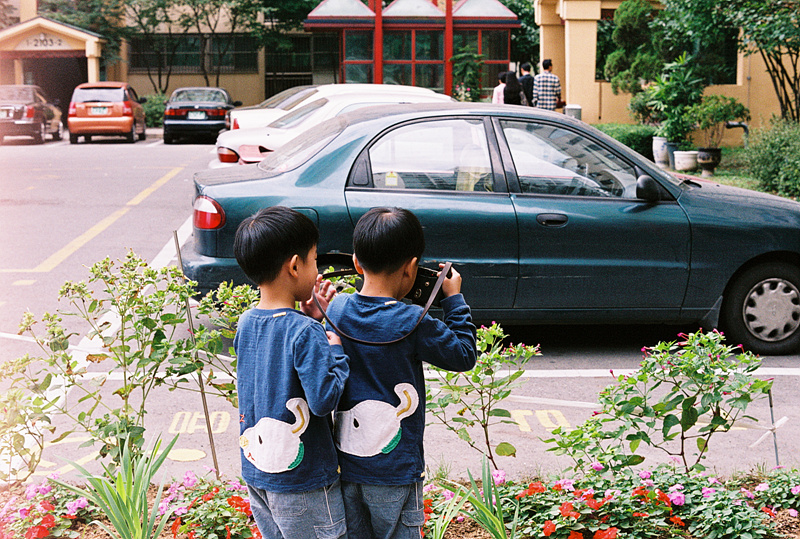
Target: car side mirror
(237, 103)
(647, 189)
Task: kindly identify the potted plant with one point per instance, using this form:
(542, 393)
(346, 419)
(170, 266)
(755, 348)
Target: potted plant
(710, 115)
(676, 89)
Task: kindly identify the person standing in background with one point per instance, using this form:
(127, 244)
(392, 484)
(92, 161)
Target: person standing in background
(512, 93)
(546, 88)
(497, 94)
(526, 81)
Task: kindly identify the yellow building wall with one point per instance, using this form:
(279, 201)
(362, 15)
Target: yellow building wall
(247, 88)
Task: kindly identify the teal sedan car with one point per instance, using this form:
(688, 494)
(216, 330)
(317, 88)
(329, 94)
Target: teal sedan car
(547, 219)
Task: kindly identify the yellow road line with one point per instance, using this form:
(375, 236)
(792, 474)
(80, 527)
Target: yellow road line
(62, 254)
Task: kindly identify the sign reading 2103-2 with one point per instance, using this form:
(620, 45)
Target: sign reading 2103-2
(43, 41)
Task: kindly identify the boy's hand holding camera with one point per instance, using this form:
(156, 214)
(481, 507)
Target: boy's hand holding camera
(452, 283)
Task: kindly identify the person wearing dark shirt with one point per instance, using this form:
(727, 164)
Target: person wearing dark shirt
(526, 81)
(512, 93)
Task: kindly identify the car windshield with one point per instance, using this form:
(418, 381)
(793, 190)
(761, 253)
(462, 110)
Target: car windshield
(288, 99)
(199, 94)
(299, 115)
(301, 149)
(99, 94)
(16, 94)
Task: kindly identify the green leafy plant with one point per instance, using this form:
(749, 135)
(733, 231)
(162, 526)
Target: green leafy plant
(476, 394)
(711, 114)
(154, 109)
(149, 307)
(121, 494)
(467, 74)
(682, 394)
(676, 89)
(217, 509)
(23, 422)
(639, 138)
(773, 156)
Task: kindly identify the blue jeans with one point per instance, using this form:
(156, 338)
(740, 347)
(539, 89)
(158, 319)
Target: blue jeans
(383, 512)
(316, 514)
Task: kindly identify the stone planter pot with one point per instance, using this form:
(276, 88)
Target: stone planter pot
(685, 160)
(671, 147)
(660, 155)
(708, 159)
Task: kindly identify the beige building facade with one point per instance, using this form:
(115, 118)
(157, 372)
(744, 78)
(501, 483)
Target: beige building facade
(568, 34)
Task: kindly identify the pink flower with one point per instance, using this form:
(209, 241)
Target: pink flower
(796, 490)
(644, 474)
(429, 487)
(747, 494)
(31, 491)
(713, 480)
(75, 505)
(449, 495)
(611, 494)
(181, 511)
(793, 513)
(708, 492)
(597, 466)
(677, 498)
(762, 487)
(499, 477)
(189, 479)
(648, 483)
(45, 488)
(676, 486)
(459, 518)
(565, 484)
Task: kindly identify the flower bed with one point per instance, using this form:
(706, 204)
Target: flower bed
(659, 503)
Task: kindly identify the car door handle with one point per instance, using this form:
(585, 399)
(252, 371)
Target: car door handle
(551, 219)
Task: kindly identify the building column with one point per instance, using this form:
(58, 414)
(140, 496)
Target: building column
(580, 45)
(19, 71)
(551, 35)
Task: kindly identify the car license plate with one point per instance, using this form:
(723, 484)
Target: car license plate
(98, 110)
(196, 115)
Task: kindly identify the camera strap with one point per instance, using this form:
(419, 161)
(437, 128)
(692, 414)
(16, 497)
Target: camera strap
(436, 287)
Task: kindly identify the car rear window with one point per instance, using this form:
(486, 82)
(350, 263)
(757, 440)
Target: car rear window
(16, 94)
(301, 149)
(199, 95)
(100, 94)
(298, 115)
(288, 99)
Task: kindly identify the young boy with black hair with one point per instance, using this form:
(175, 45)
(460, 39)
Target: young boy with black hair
(290, 377)
(381, 417)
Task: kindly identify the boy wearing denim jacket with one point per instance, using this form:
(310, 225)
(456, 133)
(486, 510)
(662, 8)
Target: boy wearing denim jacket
(381, 416)
(290, 377)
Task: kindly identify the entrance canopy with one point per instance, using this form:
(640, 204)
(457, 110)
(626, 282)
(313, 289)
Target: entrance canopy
(41, 37)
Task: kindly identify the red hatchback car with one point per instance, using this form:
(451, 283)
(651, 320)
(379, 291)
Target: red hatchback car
(105, 108)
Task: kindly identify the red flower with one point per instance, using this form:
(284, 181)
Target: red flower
(610, 533)
(533, 488)
(228, 529)
(568, 510)
(48, 521)
(575, 535)
(240, 504)
(640, 491)
(37, 532)
(175, 527)
(549, 527)
(595, 504)
(769, 511)
(677, 520)
(664, 498)
(256, 532)
(207, 496)
(641, 515)
(46, 506)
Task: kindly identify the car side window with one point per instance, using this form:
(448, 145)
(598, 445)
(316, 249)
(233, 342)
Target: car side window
(447, 155)
(552, 160)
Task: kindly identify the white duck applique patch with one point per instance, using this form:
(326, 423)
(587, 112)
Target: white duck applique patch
(372, 427)
(274, 446)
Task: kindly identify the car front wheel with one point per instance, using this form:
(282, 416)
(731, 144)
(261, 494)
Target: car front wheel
(761, 310)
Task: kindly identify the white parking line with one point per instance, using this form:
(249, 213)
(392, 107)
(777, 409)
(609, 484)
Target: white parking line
(156, 143)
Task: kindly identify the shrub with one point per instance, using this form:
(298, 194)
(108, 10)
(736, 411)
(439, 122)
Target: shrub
(154, 109)
(639, 138)
(774, 157)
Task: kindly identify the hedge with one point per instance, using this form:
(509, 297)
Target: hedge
(637, 137)
(773, 156)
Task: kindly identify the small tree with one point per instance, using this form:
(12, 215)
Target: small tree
(467, 74)
(712, 113)
(634, 61)
(7, 14)
(771, 28)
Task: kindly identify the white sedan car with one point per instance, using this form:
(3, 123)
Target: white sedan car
(245, 146)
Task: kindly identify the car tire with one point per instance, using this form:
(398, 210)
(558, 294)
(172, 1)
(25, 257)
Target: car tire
(58, 134)
(131, 137)
(168, 138)
(40, 136)
(143, 134)
(761, 309)
(73, 139)
(87, 138)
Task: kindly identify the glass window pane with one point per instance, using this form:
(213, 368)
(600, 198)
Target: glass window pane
(465, 38)
(397, 45)
(430, 76)
(429, 45)
(358, 45)
(553, 161)
(495, 45)
(489, 74)
(450, 155)
(397, 74)
(358, 73)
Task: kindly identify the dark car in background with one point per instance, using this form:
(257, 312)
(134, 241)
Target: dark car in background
(196, 112)
(25, 110)
(547, 219)
(106, 108)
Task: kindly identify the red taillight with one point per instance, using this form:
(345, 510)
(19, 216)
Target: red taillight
(208, 214)
(73, 110)
(173, 112)
(30, 112)
(215, 112)
(127, 110)
(227, 156)
(236, 123)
